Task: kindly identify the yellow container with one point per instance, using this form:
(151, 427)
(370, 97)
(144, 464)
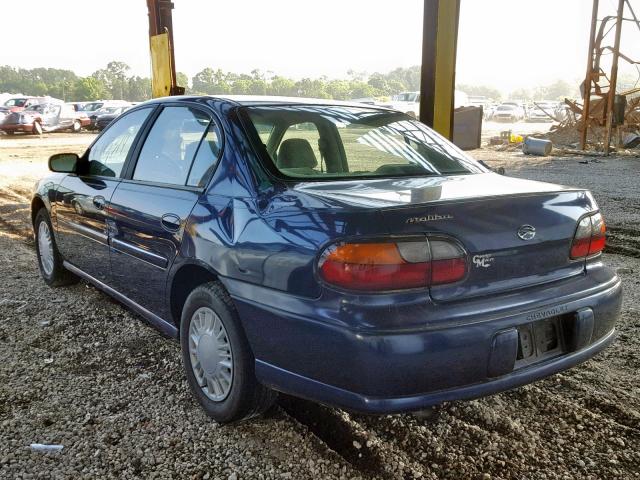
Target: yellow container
(515, 138)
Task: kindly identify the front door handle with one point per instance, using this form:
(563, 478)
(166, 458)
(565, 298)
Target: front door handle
(170, 222)
(99, 202)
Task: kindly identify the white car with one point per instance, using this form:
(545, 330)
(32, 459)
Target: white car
(508, 112)
(409, 102)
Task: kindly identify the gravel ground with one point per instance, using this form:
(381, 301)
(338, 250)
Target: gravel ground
(80, 370)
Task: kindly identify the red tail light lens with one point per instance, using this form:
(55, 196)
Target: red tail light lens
(590, 237)
(392, 265)
(448, 262)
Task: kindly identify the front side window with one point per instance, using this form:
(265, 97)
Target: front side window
(329, 142)
(172, 144)
(108, 154)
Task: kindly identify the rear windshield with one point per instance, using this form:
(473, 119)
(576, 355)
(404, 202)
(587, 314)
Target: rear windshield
(328, 142)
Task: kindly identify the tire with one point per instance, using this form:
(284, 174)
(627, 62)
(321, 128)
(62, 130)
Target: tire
(76, 127)
(49, 258)
(37, 128)
(224, 384)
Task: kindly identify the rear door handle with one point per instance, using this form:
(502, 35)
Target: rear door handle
(170, 222)
(99, 202)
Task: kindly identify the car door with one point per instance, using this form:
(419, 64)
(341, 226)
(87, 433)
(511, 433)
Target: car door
(151, 205)
(67, 117)
(82, 200)
(50, 117)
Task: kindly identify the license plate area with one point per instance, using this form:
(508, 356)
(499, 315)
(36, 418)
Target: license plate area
(539, 341)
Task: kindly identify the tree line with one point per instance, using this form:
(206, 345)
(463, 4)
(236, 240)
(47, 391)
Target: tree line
(116, 82)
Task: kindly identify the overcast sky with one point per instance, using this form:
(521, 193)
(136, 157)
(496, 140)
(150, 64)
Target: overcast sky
(503, 43)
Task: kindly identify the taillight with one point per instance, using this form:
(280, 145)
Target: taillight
(590, 236)
(381, 266)
(448, 262)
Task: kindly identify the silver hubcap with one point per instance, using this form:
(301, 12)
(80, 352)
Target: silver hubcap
(45, 247)
(210, 354)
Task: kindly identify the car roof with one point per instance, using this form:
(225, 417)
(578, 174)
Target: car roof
(256, 100)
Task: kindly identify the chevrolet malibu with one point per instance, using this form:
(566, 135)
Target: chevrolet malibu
(341, 253)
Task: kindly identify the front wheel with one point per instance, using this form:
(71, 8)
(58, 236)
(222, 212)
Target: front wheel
(37, 128)
(49, 259)
(76, 127)
(217, 358)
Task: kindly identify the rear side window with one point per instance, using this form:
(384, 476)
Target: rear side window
(108, 154)
(181, 138)
(206, 158)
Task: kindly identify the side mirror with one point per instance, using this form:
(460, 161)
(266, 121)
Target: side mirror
(63, 162)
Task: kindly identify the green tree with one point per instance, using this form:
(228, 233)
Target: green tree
(480, 90)
(114, 77)
(339, 89)
(211, 82)
(558, 90)
(89, 88)
(138, 89)
(183, 80)
(521, 94)
(281, 86)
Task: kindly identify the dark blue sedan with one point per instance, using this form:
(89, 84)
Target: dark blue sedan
(338, 252)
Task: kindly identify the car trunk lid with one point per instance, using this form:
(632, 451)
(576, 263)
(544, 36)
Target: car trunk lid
(516, 232)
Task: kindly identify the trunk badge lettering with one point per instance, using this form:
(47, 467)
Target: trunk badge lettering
(483, 261)
(430, 218)
(526, 232)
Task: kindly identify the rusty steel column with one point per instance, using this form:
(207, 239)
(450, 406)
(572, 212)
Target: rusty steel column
(588, 79)
(614, 78)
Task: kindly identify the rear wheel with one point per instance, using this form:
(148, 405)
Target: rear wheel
(217, 358)
(76, 127)
(49, 259)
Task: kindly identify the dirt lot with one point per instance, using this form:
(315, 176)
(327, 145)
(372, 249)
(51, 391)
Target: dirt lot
(78, 369)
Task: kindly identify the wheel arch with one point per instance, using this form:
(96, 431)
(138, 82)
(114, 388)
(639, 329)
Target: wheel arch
(37, 204)
(183, 281)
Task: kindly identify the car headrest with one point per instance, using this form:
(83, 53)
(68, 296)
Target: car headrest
(296, 153)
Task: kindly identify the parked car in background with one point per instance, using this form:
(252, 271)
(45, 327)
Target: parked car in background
(78, 106)
(89, 107)
(45, 117)
(543, 112)
(102, 121)
(104, 108)
(405, 102)
(508, 112)
(17, 104)
(336, 251)
(409, 102)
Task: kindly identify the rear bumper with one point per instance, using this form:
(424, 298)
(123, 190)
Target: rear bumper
(328, 394)
(386, 370)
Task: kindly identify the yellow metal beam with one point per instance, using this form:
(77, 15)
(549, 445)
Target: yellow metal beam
(161, 79)
(439, 46)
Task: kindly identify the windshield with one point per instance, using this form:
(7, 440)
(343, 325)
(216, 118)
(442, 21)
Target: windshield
(15, 102)
(35, 108)
(328, 142)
